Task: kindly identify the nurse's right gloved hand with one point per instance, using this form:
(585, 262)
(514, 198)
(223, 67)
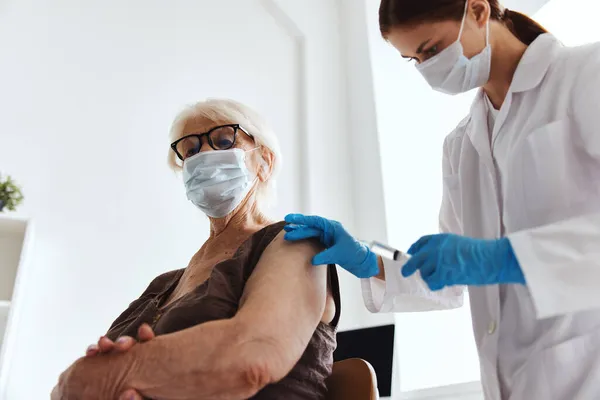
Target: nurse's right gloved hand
(342, 249)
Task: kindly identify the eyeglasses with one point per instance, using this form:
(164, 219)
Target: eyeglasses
(221, 137)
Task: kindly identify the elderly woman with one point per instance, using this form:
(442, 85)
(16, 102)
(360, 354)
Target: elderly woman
(233, 324)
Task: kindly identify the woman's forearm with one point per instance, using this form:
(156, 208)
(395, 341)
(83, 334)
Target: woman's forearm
(215, 360)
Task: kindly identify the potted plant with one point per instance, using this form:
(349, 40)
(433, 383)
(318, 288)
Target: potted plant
(10, 194)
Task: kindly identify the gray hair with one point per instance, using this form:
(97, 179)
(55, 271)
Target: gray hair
(226, 111)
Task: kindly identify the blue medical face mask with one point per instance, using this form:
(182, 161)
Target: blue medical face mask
(451, 72)
(217, 181)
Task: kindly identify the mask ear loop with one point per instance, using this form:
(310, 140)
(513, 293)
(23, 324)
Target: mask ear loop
(462, 24)
(264, 166)
(263, 163)
(487, 32)
(256, 180)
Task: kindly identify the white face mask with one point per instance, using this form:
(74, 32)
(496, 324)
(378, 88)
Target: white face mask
(217, 181)
(451, 72)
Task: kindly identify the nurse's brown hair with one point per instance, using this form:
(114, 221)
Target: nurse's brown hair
(393, 13)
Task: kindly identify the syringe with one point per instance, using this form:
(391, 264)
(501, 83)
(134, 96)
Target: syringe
(385, 251)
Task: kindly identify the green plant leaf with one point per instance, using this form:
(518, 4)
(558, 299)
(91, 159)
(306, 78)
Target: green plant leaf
(10, 193)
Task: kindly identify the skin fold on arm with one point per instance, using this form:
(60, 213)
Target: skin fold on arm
(225, 359)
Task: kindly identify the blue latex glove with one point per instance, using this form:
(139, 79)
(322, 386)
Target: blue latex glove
(342, 248)
(447, 260)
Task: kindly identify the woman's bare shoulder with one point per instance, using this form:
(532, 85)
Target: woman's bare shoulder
(298, 256)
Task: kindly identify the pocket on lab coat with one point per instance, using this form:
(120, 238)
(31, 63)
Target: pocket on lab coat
(567, 371)
(547, 179)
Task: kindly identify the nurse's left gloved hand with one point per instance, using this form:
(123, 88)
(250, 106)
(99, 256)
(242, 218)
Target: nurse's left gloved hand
(342, 249)
(448, 260)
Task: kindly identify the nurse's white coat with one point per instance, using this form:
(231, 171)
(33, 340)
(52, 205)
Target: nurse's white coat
(539, 184)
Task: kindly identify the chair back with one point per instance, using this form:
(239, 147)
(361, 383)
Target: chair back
(352, 379)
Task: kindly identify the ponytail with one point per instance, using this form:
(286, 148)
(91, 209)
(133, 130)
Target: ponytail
(523, 27)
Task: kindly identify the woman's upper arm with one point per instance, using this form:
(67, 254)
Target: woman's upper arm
(284, 300)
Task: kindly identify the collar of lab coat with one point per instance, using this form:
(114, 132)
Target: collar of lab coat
(531, 69)
(529, 74)
(535, 63)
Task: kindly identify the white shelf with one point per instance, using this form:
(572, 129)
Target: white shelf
(11, 225)
(15, 236)
(12, 237)
(4, 309)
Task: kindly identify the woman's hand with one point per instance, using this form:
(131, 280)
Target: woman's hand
(64, 389)
(97, 378)
(122, 344)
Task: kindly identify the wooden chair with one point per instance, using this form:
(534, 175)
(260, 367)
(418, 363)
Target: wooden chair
(352, 379)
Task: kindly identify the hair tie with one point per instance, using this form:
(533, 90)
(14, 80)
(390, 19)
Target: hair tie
(506, 13)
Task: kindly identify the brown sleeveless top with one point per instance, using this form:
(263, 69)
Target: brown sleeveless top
(219, 298)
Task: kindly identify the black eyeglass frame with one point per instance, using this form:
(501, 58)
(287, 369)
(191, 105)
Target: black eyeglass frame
(235, 127)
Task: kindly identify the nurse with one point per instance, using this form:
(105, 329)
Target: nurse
(520, 213)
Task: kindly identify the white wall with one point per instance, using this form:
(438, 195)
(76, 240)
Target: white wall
(573, 22)
(88, 92)
(330, 162)
(370, 222)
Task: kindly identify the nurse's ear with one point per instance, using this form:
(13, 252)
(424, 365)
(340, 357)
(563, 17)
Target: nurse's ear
(474, 36)
(480, 12)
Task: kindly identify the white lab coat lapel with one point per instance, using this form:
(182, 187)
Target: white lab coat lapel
(478, 131)
(482, 215)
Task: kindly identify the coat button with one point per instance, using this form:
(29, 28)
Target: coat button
(492, 327)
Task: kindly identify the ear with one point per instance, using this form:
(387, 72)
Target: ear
(266, 162)
(481, 11)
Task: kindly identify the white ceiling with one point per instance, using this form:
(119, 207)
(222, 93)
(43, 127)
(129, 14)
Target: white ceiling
(529, 7)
